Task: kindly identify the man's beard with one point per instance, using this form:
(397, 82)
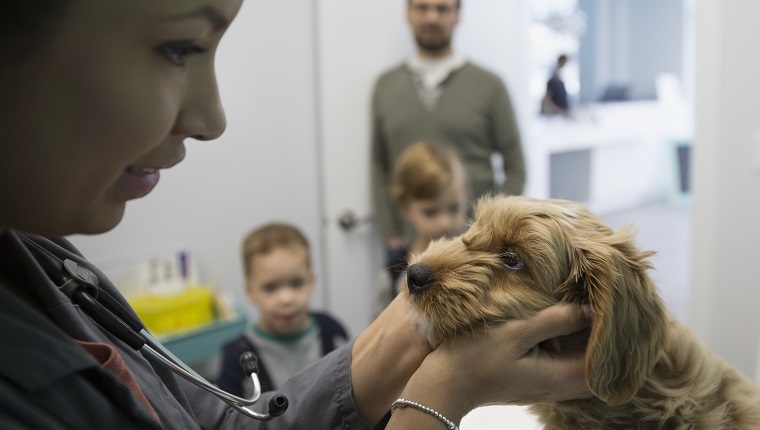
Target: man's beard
(433, 46)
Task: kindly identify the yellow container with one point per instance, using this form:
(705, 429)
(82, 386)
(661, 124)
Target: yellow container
(163, 314)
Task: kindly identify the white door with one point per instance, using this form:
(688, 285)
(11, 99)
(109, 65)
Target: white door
(355, 41)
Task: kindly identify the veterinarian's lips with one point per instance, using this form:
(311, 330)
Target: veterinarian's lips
(138, 181)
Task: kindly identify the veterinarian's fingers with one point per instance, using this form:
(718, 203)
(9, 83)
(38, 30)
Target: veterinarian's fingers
(567, 374)
(554, 321)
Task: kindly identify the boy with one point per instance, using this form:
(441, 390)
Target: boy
(431, 189)
(287, 336)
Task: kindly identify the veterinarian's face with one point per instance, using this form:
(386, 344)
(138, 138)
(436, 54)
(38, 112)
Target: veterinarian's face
(433, 23)
(92, 115)
(441, 217)
(280, 285)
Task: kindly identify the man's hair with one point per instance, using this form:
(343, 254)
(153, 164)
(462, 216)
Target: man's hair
(26, 25)
(270, 237)
(423, 171)
(459, 3)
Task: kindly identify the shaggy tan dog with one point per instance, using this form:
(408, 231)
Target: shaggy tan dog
(645, 369)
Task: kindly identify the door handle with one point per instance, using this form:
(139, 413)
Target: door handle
(348, 220)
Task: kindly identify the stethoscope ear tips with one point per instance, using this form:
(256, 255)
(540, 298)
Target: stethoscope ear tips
(248, 362)
(278, 405)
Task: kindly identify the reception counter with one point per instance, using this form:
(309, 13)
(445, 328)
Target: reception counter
(612, 156)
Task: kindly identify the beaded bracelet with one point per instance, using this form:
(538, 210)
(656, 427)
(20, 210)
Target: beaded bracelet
(403, 402)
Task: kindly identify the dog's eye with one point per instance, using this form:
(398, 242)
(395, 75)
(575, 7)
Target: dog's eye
(512, 260)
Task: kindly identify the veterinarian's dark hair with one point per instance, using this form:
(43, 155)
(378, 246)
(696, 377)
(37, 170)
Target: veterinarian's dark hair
(27, 25)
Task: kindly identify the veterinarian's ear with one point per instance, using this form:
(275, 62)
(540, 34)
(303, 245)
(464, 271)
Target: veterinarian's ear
(629, 322)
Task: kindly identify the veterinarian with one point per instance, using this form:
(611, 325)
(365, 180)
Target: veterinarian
(438, 95)
(97, 98)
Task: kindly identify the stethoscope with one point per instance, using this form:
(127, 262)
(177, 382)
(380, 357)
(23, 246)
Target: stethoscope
(81, 286)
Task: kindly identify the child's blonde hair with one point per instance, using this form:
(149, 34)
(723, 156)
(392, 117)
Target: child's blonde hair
(269, 237)
(423, 171)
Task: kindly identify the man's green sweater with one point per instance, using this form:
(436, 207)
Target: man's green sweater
(473, 115)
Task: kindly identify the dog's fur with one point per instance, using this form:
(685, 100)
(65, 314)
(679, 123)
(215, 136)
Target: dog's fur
(646, 370)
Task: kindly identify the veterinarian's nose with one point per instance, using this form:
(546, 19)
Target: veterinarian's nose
(418, 277)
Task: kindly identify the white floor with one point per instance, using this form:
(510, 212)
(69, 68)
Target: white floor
(663, 228)
(500, 418)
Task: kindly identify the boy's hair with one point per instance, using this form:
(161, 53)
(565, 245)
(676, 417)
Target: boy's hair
(269, 237)
(423, 171)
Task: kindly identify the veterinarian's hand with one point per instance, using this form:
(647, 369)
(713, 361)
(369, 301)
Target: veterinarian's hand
(504, 367)
(383, 358)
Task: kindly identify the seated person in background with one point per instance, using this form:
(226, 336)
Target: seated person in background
(287, 336)
(431, 189)
(555, 100)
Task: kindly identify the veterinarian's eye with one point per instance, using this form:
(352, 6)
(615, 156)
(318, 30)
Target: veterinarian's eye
(512, 260)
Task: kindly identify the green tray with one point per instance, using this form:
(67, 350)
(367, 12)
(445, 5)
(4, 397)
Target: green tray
(204, 343)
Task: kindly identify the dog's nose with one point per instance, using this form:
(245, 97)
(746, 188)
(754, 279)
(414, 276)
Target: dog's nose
(418, 277)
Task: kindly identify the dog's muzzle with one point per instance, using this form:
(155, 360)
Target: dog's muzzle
(418, 278)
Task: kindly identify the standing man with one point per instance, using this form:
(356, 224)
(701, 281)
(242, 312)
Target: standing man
(555, 100)
(440, 97)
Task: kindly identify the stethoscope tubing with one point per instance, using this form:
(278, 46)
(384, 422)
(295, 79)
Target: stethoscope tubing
(143, 341)
(163, 356)
(235, 402)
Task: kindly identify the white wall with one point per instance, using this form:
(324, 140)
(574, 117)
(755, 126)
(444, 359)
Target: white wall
(726, 290)
(261, 169)
(494, 34)
(630, 42)
(655, 43)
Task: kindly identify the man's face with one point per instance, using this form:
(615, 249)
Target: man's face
(433, 23)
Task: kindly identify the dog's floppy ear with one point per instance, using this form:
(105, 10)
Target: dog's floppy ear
(629, 322)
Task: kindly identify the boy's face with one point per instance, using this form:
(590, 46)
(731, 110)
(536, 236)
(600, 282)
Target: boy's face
(280, 285)
(436, 218)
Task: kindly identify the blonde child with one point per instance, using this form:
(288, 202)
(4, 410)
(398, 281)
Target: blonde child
(430, 188)
(287, 336)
